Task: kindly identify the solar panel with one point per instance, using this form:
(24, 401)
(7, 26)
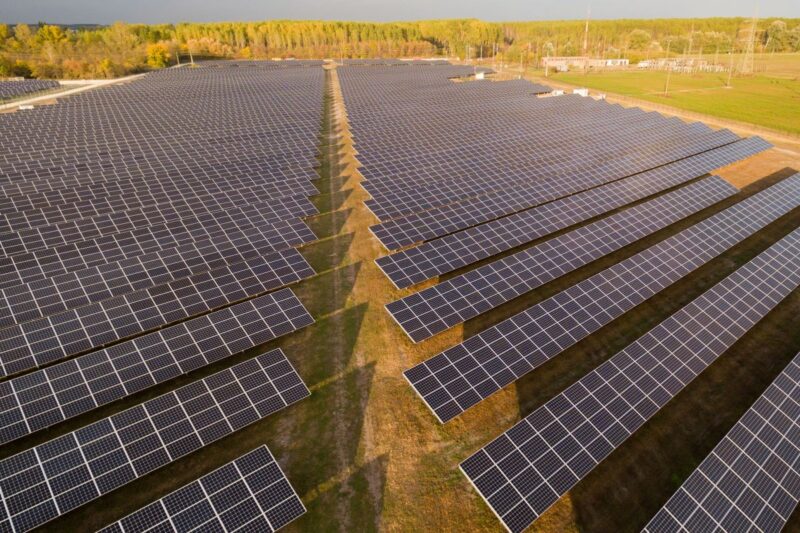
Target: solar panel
(454, 301)
(392, 203)
(250, 493)
(462, 376)
(457, 250)
(525, 470)
(159, 204)
(55, 295)
(233, 227)
(451, 218)
(442, 187)
(53, 478)
(38, 238)
(751, 480)
(16, 88)
(38, 342)
(46, 397)
(123, 192)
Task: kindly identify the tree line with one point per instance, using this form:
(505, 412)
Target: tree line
(53, 51)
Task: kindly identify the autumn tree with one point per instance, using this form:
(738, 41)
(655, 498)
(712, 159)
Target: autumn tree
(157, 55)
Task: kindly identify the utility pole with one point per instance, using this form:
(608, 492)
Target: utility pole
(669, 70)
(547, 64)
(730, 70)
(747, 60)
(527, 60)
(586, 39)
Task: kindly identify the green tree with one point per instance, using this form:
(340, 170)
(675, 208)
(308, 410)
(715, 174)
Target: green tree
(639, 40)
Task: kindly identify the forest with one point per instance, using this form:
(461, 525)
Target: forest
(81, 52)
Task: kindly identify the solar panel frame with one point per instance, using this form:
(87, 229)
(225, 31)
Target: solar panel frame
(751, 480)
(250, 493)
(466, 296)
(464, 375)
(50, 479)
(46, 397)
(554, 447)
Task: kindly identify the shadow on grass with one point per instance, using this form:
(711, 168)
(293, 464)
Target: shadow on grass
(340, 491)
(332, 201)
(328, 224)
(311, 352)
(629, 487)
(624, 491)
(328, 254)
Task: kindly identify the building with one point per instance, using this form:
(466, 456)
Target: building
(565, 63)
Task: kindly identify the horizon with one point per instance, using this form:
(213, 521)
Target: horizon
(398, 21)
(97, 12)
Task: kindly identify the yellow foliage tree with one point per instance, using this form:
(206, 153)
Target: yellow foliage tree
(157, 55)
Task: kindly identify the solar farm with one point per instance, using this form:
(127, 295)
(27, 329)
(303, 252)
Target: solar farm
(10, 89)
(392, 295)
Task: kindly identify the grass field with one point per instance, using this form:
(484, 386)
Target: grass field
(363, 451)
(770, 98)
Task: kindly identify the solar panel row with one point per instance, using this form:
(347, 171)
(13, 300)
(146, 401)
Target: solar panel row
(55, 295)
(454, 251)
(525, 470)
(441, 221)
(462, 376)
(454, 301)
(38, 238)
(751, 480)
(233, 226)
(195, 203)
(53, 478)
(15, 88)
(250, 493)
(479, 180)
(51, 395)
(45, 340)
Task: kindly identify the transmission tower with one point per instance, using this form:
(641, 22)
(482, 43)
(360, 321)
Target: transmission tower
(586, 39)
(748, 58)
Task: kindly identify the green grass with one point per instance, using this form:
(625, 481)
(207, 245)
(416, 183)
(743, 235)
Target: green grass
(770, 99)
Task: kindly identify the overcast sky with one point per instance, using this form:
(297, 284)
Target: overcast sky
(155, 11)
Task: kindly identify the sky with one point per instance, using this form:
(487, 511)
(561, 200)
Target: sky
(164, 11)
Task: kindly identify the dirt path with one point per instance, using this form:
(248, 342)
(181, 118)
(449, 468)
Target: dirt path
(389, 466)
